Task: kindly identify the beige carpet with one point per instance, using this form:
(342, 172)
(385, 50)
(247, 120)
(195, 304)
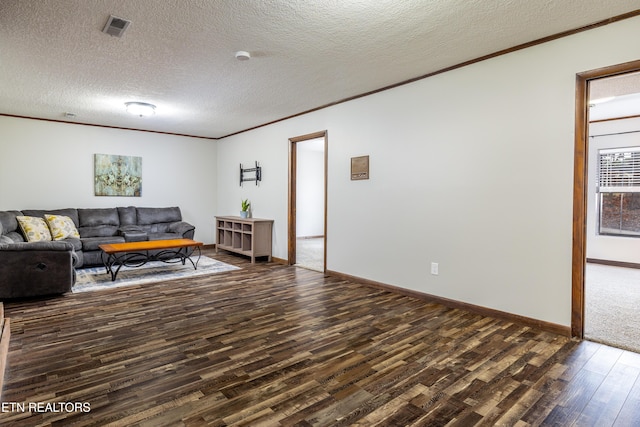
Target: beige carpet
(612, 306)
(310, 253)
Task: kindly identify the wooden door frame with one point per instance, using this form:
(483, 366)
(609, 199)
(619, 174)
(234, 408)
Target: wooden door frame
(580, 175)
(293, 170)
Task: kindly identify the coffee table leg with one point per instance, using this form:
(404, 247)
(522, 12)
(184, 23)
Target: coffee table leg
(131, 259)
(113, 259)
(104, 261)
(187, 256)
(108, 265)
(195, 266)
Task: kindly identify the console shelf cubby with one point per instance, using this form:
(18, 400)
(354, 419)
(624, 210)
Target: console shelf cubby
(245, 236)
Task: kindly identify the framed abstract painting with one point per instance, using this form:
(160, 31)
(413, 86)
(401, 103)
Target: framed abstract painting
(116, 175)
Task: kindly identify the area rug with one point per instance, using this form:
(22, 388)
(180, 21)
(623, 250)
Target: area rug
(96, 278)
(612, 306)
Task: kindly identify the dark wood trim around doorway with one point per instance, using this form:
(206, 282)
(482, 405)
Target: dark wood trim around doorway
(293, 168)
(581, 150)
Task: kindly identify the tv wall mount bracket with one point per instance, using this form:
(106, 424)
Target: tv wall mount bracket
(250, 174)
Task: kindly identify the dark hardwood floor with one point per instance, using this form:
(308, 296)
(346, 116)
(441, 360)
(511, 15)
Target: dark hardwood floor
(272, 345)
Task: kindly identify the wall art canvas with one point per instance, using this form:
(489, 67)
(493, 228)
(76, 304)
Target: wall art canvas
(117, 175)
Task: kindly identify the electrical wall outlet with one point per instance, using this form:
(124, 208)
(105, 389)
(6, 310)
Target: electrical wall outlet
(434, 268)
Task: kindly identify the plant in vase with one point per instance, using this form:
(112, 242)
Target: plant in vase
(244, 211)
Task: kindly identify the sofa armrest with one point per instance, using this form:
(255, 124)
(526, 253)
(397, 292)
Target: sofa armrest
(185, 229)
(37, 246)
(130, 229)
(74, 262)
(133, 233)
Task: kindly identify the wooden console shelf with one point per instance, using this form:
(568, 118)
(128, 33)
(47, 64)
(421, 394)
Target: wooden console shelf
(246, 236)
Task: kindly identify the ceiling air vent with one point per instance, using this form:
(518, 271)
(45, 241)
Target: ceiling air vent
(116, 26)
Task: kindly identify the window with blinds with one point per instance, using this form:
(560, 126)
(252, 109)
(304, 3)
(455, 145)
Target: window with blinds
(619, 191)
(619, 169)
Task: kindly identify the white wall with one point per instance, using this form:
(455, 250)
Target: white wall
(472, 169)
(49, 165)
(269, 197)
(613, 134)
(310, 190)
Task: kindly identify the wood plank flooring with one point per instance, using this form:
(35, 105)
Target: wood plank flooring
(271, 345)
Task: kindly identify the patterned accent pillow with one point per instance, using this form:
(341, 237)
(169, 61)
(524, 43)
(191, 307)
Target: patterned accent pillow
(34, 228)
(61, 227)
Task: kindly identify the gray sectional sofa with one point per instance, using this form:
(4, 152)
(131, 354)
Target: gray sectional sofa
(48, 267)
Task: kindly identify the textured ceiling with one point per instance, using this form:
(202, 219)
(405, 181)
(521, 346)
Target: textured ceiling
(179, 54)
(625, 91)
(625, 84)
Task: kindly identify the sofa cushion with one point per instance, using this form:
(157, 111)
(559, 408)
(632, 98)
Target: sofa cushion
(61, 227)
(34, 228)
(128, 215)
(92, 243)
(98, 222)
(98, 216)
(8, 221)
(148, 216)
(10, 227)
(15, 236)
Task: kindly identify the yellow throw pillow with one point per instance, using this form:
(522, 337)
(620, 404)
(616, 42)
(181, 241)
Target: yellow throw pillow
(34, 228)
(61, 227)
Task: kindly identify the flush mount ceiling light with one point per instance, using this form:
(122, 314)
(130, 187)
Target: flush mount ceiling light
(141, 109)
(241, 55)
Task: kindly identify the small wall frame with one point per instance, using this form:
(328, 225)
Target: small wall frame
(359, 168)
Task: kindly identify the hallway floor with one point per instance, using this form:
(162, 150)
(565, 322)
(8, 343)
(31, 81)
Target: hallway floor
(310, 253)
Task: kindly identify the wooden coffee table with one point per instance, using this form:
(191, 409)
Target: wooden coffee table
(137, 254)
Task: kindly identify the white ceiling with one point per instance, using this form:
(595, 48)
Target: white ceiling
(179, 54)
(622, 94)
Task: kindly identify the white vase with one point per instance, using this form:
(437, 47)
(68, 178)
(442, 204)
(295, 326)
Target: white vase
(244, 214)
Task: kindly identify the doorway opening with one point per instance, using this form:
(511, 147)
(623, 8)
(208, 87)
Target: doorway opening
(308, 201)
(583, 199)
(612, 274)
